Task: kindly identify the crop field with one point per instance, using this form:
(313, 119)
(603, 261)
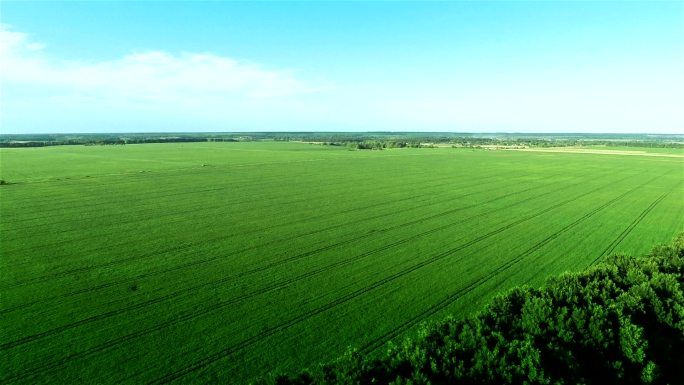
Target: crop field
(207, 262)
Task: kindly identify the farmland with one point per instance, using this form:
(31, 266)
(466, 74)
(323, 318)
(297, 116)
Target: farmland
(199, 262)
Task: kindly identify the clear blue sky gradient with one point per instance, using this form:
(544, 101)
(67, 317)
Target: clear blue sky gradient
(417, 66)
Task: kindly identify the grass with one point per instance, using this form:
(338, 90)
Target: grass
(223, 261)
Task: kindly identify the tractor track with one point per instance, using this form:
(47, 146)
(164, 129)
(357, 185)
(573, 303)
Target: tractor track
(198, 208)
(207, 360)
(609, 249)
(284, 283)
(382, 340)
(199, 364)
(208, 211)
(61, 274)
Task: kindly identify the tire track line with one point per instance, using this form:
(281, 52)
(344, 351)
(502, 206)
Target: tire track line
(446, 181)
(61, 274)
(127, 198)
(202, 207)
(609, 249)
(450, 299)
(207, 360)
(27, 339)
(154, 174)
(234, 184)
(159, 174)
(273, 330)
(234, 235)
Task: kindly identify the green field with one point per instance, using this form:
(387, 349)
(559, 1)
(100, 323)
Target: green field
(647, 150)
(207, 262)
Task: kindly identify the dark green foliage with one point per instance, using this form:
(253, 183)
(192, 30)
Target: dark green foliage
(620, 322)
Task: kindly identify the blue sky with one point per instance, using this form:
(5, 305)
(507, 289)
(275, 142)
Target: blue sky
(477, 66)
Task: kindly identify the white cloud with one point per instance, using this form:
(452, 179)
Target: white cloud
(200, 84)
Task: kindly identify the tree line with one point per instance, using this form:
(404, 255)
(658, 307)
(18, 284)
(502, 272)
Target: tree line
(88, 141)
(362, 141)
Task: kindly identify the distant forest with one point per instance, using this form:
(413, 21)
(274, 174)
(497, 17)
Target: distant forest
(362, 141)
(619, 322)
